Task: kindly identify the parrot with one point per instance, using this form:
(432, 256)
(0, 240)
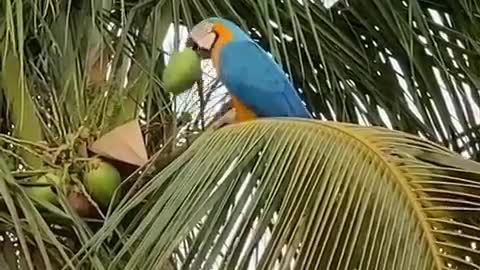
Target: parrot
(258, 87)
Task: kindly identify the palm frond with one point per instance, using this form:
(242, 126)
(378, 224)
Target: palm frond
(299, 194)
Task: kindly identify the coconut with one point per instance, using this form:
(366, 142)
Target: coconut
(46, 193)
(101, 180)
(80, 204)
(182, 71)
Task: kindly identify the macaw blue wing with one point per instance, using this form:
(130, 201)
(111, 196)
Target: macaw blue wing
(258, 82)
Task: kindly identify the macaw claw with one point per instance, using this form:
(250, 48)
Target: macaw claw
(228, 118)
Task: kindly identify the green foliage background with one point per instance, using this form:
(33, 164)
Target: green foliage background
(410, 65)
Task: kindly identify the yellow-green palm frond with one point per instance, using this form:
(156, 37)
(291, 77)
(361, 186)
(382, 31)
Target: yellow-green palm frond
(301, 194)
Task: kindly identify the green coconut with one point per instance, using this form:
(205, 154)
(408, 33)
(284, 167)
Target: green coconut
(182, 71)
(44, 192)
(101, 181)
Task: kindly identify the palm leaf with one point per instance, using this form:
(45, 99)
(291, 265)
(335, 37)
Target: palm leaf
(304, 194)
(21, 104)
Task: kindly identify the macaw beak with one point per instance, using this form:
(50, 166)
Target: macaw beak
(204, 54)
(202, 39)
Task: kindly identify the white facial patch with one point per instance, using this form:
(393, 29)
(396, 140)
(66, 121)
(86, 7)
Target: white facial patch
(202, 34)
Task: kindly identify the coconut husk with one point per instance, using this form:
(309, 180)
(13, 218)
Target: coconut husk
(124, 143)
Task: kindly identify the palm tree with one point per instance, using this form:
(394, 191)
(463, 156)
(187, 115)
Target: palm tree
(381, 185)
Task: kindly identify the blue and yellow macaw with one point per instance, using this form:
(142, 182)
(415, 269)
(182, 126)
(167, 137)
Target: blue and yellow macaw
(257, 85)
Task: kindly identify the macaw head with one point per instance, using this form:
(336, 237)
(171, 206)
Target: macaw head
(210, 32)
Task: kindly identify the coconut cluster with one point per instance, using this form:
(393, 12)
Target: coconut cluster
(100, 179)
